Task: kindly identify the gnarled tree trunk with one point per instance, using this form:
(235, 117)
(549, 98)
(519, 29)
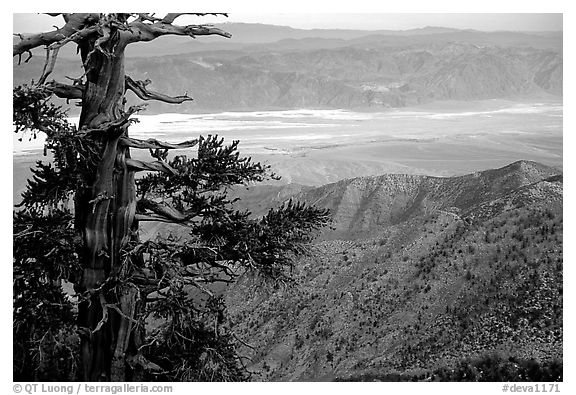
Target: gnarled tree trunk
(105, 205)
(106, 227)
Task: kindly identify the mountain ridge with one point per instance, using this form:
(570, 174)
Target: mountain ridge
(362, 205)
(370, 71)
(419, 293)
(245, 35)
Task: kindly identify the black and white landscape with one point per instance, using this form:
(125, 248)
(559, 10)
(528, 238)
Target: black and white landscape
(438, 152)
(331, 104)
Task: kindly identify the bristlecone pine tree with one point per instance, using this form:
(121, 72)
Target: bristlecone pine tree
(142, 309)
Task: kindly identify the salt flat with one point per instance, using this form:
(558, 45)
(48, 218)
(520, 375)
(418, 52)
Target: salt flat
(318, 146)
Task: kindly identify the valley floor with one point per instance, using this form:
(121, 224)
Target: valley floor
(315, 147)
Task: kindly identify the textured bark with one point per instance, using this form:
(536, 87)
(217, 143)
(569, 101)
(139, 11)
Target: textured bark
(108, 223)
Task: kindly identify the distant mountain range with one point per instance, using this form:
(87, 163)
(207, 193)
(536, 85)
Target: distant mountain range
(417, 273)
(277, 67)
(257, 36)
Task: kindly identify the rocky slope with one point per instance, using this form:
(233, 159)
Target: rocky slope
(418, 273)
(363, 205)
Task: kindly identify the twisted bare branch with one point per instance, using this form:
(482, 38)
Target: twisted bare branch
(156, 144)
(138, 165)
(51, 56)
(123, 121)
(139, 88)
(65, 91)
(140, 31)
(74, 24)
(77, 36)
(164, 210)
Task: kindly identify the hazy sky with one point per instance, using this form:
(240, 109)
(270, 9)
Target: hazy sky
(27, 23)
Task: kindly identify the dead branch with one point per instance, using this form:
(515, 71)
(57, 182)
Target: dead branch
(27, 59)
(164, 210)
(139, 88)
(138, 165)
(153, 218)
(156, 144)
(140, 31)
(148, 17)
(65, 91)
(74, 24)
(51, 55)
(77, 36)
(121, 122)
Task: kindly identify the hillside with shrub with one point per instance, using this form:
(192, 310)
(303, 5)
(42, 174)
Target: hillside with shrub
(419, 284)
